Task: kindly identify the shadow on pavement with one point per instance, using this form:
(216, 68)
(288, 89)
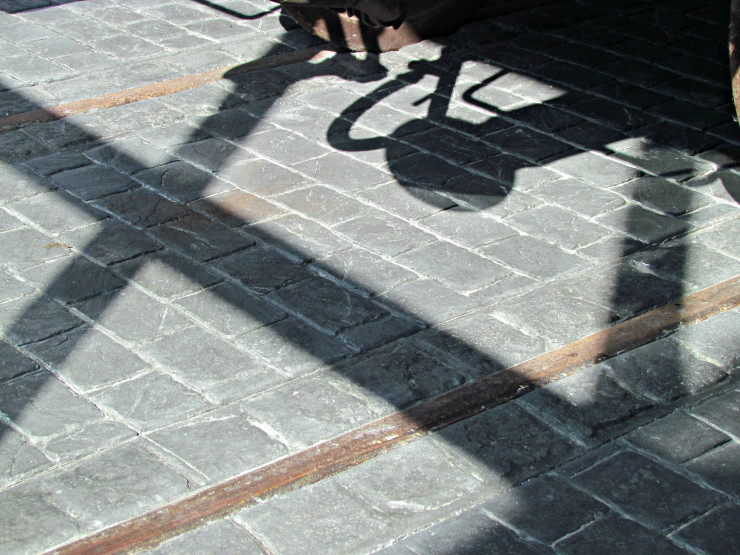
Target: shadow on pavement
(174, 226)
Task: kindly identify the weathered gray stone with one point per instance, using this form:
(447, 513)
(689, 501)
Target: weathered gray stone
(405, 204)
(677, 437)
(24, 247)
(151, 401)
(68, 213)
(236, 208)
(454, 266)
(401, 375)
(328, 306)
(42, 407)
(618, 535)
(311, 409)
(89, 438)
(110, 241)
(262, 177)
(660, 194)
(57, 162)
(558, 226)
(293, 347)
(535, 257)
(262, 269)
(298, 237)
(342, 172)
(11, 287)
(413, 299)
(199, 358)
(72, 279)
(365, 272)
(663, 371)
(327, 206)
(166, 275)
(714, 532)
(114, 485)
(231, 310)
(221, 444)
(642, 224)
(182, 181)
(646, 491)
(18, 458)
(143, 208)
(92, 182)
(222, 536)
(545, 509)
(384, 234)
(588, 402)
(129, 155)
(722, 411)
(467, 227)
(30, 319)
(594, 168)
(213, 153)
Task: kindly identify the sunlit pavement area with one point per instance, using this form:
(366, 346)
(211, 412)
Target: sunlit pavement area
(199, 284)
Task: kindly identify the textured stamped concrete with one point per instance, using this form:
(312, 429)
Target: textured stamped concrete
(196, 285)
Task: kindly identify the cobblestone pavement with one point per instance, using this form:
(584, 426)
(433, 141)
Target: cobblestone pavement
(195, 285)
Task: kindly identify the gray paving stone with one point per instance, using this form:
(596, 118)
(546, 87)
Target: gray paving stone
(588, 404)
(151, 401)
(26, 507)
(719, 467)
(230, 309)
(623, 288)
(558, 226)
(299, 238)
(166, 275)
(534, 257)
(405, 204)
(527, 144)
(453, 266)
(129, 155)
(449, 145)
(262, 269)
(73, 279)
(114, 485)
(142, 208)
(660, 194)
(214, 444)
(545, 509)
(200, 238)
(646, 491)
(325, 205)
(8, 222)
(482, 343)
(425, 170)
(30, 319)
(721, 412)
(401, 375)
(713, 532)
(173, 135)
(199, 358)
(343, 172)
(23, 247)
(554, 317)
(286, 148)
(42, 407)
(513, 172)
(56, 162)
(222, 536)
(182, 181)
(237, 208)
(11, 287)
(110, 241)
(88, 359)
(413, 299)
(643, 225)
(293, 347)
(327, 305)
(18, 458)
(311, 409)
(213, 153)
(365, 272)
(618, 535)
(716, 338)
(506, 445)
(697, 265)
(677, 437)
(594, 169)
(324, 518)
(88, 439)
(262, 177)
(93, 182)
(467, 227)
(384, 234)
(16, 183)
(232, 124)
(663, 371)
(14, 363)
(469, 532)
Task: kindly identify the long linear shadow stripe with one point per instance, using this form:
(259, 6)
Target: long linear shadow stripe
(161, 88)
(369, 441)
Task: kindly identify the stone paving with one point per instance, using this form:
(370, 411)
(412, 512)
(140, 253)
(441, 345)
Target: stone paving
(195, 285)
